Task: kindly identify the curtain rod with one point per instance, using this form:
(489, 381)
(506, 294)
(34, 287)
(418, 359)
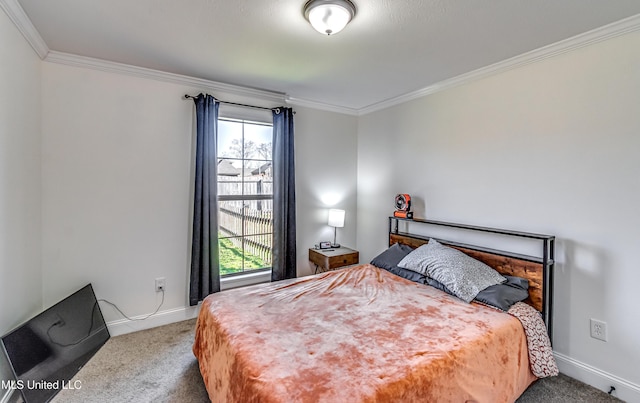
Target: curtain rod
(187, 96)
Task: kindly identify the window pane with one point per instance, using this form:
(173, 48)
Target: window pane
(259, 210)
(229, 139)
(229, 176)
(247, 217)
(257, 221)
(231, 256)
(257, 253)
(238, 254)
(229, 186)
(259, 139)
(230, 218)
(257, 179)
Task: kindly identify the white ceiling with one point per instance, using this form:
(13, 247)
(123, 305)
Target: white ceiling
(391, 48)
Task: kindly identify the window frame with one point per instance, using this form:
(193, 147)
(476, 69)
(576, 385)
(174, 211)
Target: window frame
(251, 275)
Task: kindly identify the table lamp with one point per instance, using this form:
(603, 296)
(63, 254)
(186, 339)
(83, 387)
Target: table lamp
(336, 219)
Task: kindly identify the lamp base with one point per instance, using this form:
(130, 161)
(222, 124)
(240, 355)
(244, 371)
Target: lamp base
(335, 244)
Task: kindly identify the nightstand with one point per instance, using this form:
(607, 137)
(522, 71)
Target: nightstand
(330, 259)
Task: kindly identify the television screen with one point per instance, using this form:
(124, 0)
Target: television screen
(49, 349)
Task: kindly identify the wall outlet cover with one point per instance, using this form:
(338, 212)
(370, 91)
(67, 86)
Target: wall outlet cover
(598, 329)
(160, 284)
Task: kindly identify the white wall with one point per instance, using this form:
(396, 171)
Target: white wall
(117, 171)
(20, 274)
(551, 147)
(325, 178)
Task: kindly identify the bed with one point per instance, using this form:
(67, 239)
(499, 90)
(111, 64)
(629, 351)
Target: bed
(364, 334)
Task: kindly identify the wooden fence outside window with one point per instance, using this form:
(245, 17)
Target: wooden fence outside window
(248, 224)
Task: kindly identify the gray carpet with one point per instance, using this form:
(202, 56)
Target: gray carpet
(154, 365)
(157, 365)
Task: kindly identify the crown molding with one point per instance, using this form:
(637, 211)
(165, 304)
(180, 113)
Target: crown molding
(322, 106)
(17, 15)
(603, 33)
(143, 72)
(20, 19)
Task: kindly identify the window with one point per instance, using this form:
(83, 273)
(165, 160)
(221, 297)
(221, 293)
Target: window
(245, 195)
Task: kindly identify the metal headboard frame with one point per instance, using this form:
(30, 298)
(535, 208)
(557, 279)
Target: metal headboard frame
(547, 259)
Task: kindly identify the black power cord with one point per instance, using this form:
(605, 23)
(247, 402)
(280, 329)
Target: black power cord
(60, 322)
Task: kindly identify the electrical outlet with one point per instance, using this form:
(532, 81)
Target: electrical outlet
(599, 329)
(160, 284)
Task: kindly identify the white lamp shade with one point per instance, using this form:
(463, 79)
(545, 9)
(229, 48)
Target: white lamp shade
(336, 218)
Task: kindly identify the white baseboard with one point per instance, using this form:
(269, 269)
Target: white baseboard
(124, 326)
(625, 390)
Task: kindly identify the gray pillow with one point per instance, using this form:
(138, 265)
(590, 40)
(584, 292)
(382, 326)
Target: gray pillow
(390, 257)
(501, 296)
(463, 275)
(409, 274)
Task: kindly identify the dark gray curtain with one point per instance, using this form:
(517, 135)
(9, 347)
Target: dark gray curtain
(284, 196)
(205, 264)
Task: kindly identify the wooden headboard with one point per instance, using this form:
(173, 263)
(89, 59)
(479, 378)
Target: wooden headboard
(535, 269)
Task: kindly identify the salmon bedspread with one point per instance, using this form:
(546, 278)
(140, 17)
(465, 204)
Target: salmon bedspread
(359, 334)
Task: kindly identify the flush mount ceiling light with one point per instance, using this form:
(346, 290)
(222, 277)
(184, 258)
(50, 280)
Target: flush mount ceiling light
(329, 16)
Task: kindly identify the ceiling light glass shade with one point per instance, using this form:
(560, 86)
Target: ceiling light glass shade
(329, 16)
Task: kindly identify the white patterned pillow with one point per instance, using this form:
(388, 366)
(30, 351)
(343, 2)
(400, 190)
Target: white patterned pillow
(463, 275)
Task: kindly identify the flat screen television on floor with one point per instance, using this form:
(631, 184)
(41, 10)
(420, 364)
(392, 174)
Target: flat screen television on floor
(49, 349)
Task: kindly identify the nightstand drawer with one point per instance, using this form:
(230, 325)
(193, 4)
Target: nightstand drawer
(329, 259)
(343, 260)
